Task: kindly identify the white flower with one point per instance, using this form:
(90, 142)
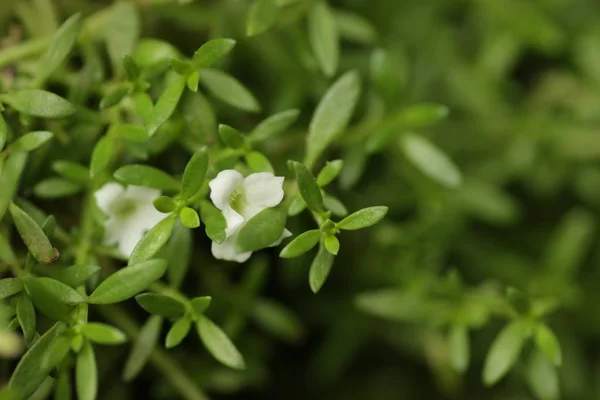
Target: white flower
(130, 214)
(240, 199)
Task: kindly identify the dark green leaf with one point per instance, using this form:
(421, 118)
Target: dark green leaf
(228, 89)
(323, 35)
(128, 281)
(301, 244)
(131, 133)
(38, 103)
(231, 137)
(214, 222)
(164, 204)
(504, 352)
(166, 104)
(153, 240)
(36, 241)
(296, 206)
(56, 352)
(211, 51)
(55, 288)
(10, 287)
(26, 317)
(181, 67)
(49, 298)
(114, 96)
(258, 162)
(273, 125)
(262, 230)
(363, 218)
(62, 43)
(144, 175)
(332, 114)
(261, 17)
(218, 344)
(278, 321)
(132, 70)
(72, 171)
(178, 332)
(9, 179)
(165, 306)
(430, 160)
(320, 268)
(178, 251)
(309, 190)
(334, 205)
(102, 155)
(194, 173)
(86, 373)
(102, 333)
(200, 304)
(143, 345)
(329, 172)
(76, 275)
(29, 373)
(30, 141)
(3, 134)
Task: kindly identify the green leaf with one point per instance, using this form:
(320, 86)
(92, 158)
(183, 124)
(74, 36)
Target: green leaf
(159, 304)
(181, 67)
(258, 162)
(62, 43)
(194, 174)
(30, 141)
(278, 321)
(420, 115)
(363, 218)
(38, 103)
(178, 251)
(26, 317)
(143, 346)
(231, 136)
(354, 27)
(189, 217)
(458, 344)
(128, 281)
(166, 104)
(143, 107)
(332, 244)
(262, 230)
(296, 206)
(153, 240)
(301, 244)
(101, 155)
(200, 304)
(102, 333)
(192, 81)
(36, 241)
(3, 134)
(273, 125)
(30, 373)
(430, 160)
(51, 297)
(72, 171)
(178, 332)
(542, 377)
(9, 179)
(132, 70)
(214, 222)
(218, 344)
(76, 275)
(86, 373)
(334, 205)
(56, 352)
(199, 117)
(121, 32)
(329, 172)
(55, 188)
(504, 352)
(324, 39)
(332, 115)
(548, 344)
(309, 190)
(114, 96)
(228, 89)
(261, 17)
(164, 204)
(144, 175)
(320, 268)
(212, 51)
(10, 287)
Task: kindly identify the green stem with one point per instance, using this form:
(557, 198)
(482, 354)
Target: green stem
(174, 373)
(22, 50)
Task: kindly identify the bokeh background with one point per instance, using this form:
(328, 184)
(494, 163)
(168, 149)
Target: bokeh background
(521, 83)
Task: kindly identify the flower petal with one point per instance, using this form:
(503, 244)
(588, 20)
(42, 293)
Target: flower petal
(107, 195)
(142, 194)
(222, 186)
(112, 231)
(263, 189)
(228, 250)
(234, 220)
(284, 234)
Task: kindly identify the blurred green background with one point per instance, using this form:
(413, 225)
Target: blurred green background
(521, 81)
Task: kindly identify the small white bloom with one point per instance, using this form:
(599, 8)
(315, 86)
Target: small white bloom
(130, 214)
(240, 199)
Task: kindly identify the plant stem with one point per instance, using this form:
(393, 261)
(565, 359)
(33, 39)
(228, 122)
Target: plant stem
(22, 50)
(176, 375)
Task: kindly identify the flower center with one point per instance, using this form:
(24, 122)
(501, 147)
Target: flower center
(236, 199)
(125, 208)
